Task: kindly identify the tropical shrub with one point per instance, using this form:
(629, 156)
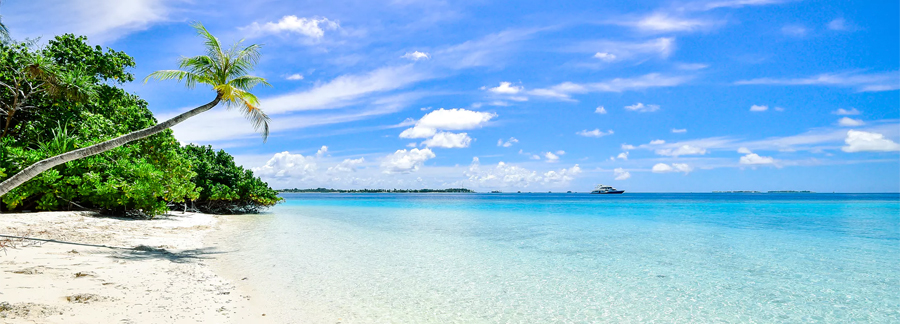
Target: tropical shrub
(226, 187)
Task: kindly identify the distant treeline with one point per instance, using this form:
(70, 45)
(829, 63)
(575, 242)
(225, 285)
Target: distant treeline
(324, 190)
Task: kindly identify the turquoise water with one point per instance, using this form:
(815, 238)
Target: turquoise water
(575, 258)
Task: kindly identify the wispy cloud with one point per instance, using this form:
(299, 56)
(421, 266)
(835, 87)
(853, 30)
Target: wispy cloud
(664, 22)
(612, 51)
(563, 91)
(103, 21)
(862, 82)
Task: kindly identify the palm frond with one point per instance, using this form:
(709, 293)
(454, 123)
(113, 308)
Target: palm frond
(248, 105)
(213, 47)
(247, 82)
(202, 64)
(190, 79)
(244, 60)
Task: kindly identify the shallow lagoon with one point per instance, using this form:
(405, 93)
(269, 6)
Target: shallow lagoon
(575, 258)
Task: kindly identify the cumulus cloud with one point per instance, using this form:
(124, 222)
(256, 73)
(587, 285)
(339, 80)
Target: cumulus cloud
(406, 161)
(682, 150)
(447, 119)
(744, 150)
(449, 140)
(860, 141)
(348, 165)
(322, 151)
(415, 56)
(294, 77)
(506, 88)
(594, 133)
(755, 159)
(675, 167)
(622, 156)
(850, 122)
(287, 165)
(845, 112)
(551, 157)
(600, 110)
(628, 147)
(640, 107)
(606, 57)
(508, 175)
(313, 27)
(621, 174)
(679, 130)
(759, 108)
(510, 142)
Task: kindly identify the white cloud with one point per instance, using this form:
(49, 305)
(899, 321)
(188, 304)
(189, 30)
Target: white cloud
(322, 151)
(344, 90)
(737, 3)
(415, 56)
(860, 141)
(675, 167)
(551, 157)
(679, 130)
(663, 22)
(794, 30)
(561, 152)
(594, 133)
(755, 159)
(563, 90)
(622, 156)
(640, 107)
(682, 150)
(287, 165)
(744, 150)
(628, 147)
(313, 27)
(759, 108)
(863, 82)
(406, 161)
(621, 174)
(348, 165)
(295, 77)
(845, 112)
(850, 122)
(657, 142)
(510, 142)
(562, 176)
(506, 88)
(449, 140)
(606, 57)
(608, 51)
(692, 66)
(102, 21)
(447, 119)
(838, 24)
(600, 110)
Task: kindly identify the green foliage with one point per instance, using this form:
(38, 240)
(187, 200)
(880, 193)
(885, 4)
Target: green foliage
(138, 179)
(227, 187)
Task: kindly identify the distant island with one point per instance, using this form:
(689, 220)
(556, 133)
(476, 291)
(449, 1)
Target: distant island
(324, 190)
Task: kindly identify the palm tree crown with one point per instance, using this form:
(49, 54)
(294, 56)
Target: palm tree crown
(226, 72)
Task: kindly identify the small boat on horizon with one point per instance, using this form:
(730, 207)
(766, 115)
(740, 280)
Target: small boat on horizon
(603, 189)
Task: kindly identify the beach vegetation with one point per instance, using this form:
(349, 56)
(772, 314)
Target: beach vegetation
(227, 187)
(66, 97)
(225, 70)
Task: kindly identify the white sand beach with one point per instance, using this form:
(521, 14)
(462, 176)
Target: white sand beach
(114, 270)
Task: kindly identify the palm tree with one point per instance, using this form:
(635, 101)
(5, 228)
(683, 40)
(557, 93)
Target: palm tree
(224, 71)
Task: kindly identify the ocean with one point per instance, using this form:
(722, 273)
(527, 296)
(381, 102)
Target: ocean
(573, 258)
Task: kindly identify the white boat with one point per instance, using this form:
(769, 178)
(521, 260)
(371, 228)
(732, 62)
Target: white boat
(603, 189)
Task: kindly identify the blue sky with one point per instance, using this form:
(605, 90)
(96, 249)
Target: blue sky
(532, 96)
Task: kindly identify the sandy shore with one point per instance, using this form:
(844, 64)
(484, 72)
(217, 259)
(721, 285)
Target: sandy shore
(116, 270)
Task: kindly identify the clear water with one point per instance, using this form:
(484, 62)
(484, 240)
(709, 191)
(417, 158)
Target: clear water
(575, 258)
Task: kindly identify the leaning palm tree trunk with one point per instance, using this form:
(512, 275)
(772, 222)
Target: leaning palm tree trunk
(45, 164)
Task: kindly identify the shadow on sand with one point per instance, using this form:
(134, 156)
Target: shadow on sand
(143, 252)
